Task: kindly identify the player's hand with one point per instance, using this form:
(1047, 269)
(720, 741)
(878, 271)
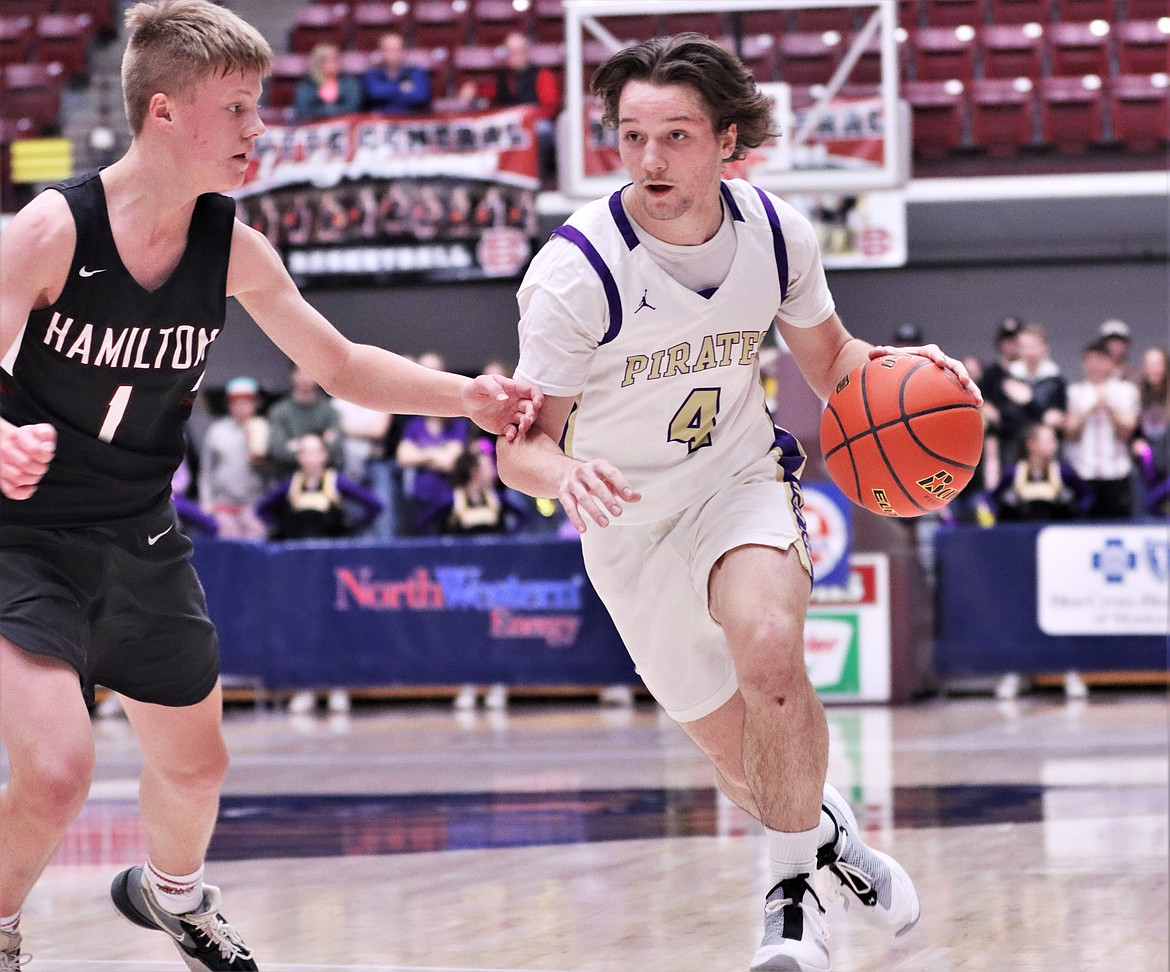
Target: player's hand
(936, 354)
(25, 454)
(502, 405)
(596, 489)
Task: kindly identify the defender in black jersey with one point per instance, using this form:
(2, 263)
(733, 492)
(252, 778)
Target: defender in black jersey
(113, 289)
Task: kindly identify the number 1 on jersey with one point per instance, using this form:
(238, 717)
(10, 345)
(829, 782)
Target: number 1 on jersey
(693, 422)
(115, 412)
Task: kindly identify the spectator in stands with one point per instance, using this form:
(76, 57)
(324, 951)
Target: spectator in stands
(520, 82)
(364, 431)
(1039, 486)
(476, 504)
(1116, 336)
(426, 455)
(1034, 391)
(995, 375)
(393, 87)
(1102, 416)
(233, 468)
(1151, 443)
(326, 91)
(317, 501)
(305, 409)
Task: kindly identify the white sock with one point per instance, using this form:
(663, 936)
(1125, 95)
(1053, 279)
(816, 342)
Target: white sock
(10, 923)
(178, 894)
(790, 854)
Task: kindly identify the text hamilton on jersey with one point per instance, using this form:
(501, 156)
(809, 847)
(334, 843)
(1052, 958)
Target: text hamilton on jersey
(716, 351)
(179, 347)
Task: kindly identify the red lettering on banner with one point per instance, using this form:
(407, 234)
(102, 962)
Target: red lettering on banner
(419, 591)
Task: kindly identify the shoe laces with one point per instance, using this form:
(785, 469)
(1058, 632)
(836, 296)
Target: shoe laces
(219, 933)
(848, 876)
(10, 961)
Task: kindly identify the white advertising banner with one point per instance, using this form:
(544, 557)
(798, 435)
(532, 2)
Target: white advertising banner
(1103, 580)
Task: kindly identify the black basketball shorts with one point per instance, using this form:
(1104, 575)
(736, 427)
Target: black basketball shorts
(119, 602)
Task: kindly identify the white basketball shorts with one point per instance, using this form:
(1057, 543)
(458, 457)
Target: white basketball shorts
(653, 579)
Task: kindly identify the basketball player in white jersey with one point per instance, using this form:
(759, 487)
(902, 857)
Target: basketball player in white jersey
(113, 287)
(641, 320)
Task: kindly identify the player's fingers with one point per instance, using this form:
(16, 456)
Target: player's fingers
(580, 491)
(601, 489)
(17, 492)
(617, 482)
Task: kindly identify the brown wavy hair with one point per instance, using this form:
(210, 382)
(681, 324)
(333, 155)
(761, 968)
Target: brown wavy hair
(722, 80)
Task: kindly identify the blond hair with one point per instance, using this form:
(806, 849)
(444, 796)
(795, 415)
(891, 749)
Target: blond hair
(175, 44)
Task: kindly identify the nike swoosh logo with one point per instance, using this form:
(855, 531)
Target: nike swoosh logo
(151, 541)
(83, 272)
(160, 919)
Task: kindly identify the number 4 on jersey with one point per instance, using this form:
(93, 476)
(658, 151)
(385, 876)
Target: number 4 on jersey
(693, 422)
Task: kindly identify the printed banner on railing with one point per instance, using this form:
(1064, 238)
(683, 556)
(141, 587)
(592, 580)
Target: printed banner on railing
(365, 198)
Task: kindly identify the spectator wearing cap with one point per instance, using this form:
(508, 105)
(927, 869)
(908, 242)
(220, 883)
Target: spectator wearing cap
(1035, 391)
(233, 464)
(1116, 336)
(995, 375)
(1102, 415)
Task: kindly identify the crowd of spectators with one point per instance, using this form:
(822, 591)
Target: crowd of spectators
(1094, 447)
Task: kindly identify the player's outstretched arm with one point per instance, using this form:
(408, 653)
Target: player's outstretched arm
(36, 250)
(362, 373)
(535, 464)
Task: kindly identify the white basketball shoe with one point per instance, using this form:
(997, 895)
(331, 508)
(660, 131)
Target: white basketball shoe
(869, 884)
(795, 937)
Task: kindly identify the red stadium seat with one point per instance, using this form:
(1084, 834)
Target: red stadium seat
(101, 12)
(1075, 50)
(33, 92)
(711, 24)
(953, 13)
(1140, 107)
(1082, 11)
(1143, 46)
(1019, 11)
(65, 38)
(493, 20)
(369, 21)
(1011, 51)
(758, 52)
(840, 19)
(636, 27)
(28, 8)
(1071, 112)
(437, 23)
(911, 13)
(773, 22)
(806, 59)
(318, 24)
(939, 53)
(15, 39)
(548, 21)
(938, 116)
(477, 64)
(287, 71)
(1146, 9)
(867, 69)
(1002, 115)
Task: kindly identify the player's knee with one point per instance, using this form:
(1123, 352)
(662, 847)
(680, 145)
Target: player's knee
(201, 768)
(54, 789)
(770, 657)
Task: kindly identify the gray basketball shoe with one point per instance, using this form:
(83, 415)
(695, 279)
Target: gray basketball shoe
(10, 954)
(795, 937)
(870, 884)
(202, 937)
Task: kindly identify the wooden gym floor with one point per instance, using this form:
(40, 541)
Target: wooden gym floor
(567, 837)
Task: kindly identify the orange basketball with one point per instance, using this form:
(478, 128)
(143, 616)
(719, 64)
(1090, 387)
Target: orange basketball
(900, 436)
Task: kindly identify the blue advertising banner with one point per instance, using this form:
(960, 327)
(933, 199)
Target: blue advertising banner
(317, 613)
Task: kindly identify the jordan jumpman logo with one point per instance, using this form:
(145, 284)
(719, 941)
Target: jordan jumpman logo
(645, 303)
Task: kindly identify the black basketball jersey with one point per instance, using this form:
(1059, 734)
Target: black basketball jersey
(114, 368)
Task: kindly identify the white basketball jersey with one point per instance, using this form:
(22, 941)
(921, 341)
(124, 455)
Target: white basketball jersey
(667, 380)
